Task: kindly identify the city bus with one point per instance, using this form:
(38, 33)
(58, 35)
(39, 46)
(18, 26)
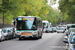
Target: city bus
(29, 26)
(46, 25)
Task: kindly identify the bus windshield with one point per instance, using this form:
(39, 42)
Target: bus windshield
(26, 25)
(45, 25)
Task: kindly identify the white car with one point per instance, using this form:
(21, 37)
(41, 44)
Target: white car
(54, 29)
(7, 33)
(69, 26)
(1, 35)
(60, 30)
(71, 43)
(49, 30)
(70, 33)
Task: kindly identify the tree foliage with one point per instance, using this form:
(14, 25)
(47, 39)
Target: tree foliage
(67, 7)
(12, 8)
(54, 16)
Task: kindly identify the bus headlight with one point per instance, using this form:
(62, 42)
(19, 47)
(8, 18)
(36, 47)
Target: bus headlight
(35, 32)
(18, 33)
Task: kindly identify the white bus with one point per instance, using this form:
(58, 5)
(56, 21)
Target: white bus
(29, 26)
(46, 25)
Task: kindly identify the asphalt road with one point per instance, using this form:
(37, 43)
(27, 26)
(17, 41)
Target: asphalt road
(49, 41)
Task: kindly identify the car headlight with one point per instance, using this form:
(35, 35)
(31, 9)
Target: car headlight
(18, 33)
(35, 32)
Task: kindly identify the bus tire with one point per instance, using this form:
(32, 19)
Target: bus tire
(40, 37)
(1, 39)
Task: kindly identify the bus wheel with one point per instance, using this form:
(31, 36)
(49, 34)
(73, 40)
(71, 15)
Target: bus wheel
(1, 39)
(40, 37)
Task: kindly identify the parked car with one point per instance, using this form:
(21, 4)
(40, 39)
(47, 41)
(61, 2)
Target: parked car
(12, 31)
(1, 35)
(69, 33)
(71, 44)
(65, 39)
(69, 26)
(54, 29)
(60, 30)
(49, 30)
(7, 33)
(72, 31)
(64, 27)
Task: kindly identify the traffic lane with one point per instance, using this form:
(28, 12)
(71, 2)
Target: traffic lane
(54, 43)
(29, 44)
(15, 44)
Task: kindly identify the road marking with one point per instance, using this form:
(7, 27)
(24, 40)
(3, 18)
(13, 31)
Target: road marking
(58, 47)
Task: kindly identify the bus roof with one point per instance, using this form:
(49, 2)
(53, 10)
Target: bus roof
(45, 21)
(29, 17)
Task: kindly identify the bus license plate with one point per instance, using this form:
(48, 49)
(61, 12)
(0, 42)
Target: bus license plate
(26, 34)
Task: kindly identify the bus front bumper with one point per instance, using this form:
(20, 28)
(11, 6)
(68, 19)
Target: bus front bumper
(19, 36)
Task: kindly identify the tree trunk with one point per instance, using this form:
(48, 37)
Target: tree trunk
(3, 19)
(14, 19)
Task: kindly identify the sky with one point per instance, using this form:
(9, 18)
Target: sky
(55, 5)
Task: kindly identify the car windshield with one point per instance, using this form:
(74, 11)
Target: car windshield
(26, 25)
(49, 28)
(54, 28)
(10, 29)
(73, 40)
(60, 28)
(5, 31)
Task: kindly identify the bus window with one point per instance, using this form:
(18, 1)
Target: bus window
(26, 24)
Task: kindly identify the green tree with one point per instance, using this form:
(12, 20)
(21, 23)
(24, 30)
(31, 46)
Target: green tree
(12, 8)
(67, 7)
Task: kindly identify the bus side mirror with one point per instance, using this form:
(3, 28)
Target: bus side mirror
(34, 27)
